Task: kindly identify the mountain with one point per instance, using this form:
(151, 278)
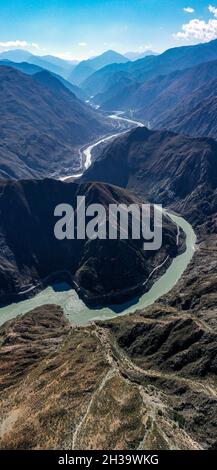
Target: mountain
(56, 65)
(16, 55)
(31, 69)
(139, 55)
(82, 71)
(196, 119)
(150, 376)
(182, 101)
(157, 98)
(42, 125)
(142, 70)
(168, 98)
(104, 269)
(85, 68)
(53, 64)
(24, 67)
(108, 57)
(61, 62)
(78, 92)
(167, 168)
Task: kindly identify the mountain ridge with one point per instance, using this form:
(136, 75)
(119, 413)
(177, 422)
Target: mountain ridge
(36, 121)
(27, 253)
(167, 168)
(86, 67)
(150, 67)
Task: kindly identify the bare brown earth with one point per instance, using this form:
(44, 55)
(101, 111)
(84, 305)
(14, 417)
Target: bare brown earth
(144, 381)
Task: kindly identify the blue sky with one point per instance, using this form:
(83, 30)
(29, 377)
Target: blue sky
(79, 29)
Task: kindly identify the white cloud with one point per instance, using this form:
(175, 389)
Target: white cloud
(213, 10)
(189, 10)
(8, 44)
(198, 29)
(18, 44)
(82, 44)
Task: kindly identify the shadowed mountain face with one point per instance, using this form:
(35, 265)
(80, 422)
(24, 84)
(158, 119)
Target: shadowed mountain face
(42, 125)
(87, 67)
(30, 252)
(149, 68)
(31, 69)
(167, 168)
(182, 101)
(197, 115)
(166, 96)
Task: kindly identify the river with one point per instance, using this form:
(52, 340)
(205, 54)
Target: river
(75, 309)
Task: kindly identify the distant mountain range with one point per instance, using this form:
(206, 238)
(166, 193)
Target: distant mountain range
(143, 70)
(42, 125)
(73, 71)
(167, 168)
(183, 101)
(139, 55)
(51, 63)
(87, 67)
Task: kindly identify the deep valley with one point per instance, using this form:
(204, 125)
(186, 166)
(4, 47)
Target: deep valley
(117, 129)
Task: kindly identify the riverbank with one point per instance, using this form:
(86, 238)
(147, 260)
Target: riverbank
(78, 313)
(122, 302)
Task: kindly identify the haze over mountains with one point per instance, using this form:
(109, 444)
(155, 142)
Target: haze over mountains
(149, 68)
(87, 67)
(173, 90)
(139, 55)
(51, 63)
(74, 71)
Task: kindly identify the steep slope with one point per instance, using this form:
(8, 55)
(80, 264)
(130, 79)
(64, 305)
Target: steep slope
(42, 125)
(156, 99)
(44, 78)
(24, 67)
(31, 69)
(168, 168)
(66, 65)
(183, 101)
(85, 68)
(103, 269)
(140, 382)
(150, 67)
(196, 116)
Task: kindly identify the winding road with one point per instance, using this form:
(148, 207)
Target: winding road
(76, 311)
